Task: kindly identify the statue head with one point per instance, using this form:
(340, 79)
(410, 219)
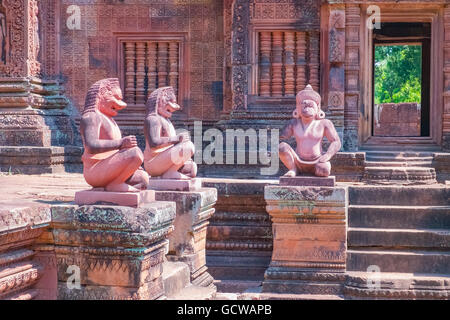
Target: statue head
(308, 104)
(162, 101)
(105, 96)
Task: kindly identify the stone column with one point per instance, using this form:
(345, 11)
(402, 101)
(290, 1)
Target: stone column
(446, 111)
(116, 251)
(309, 239)
(336, 76)
(188, 241)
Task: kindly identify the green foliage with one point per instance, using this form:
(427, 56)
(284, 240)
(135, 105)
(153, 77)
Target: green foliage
(398, 73)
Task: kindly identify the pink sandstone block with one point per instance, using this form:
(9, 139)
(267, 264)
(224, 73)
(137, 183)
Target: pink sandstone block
(128, 199)
(301, 181)
(174, 185)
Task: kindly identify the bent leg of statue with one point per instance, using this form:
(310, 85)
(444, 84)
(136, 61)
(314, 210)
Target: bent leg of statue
(323, 169)
(288, 157)
(189, 168)
(171, 160)
(112, 172)
(139, 179)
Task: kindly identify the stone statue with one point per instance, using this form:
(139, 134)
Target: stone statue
(109, 161)
(167, 154)
(308, 127)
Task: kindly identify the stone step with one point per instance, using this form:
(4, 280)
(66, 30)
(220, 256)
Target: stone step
(408, 217)
(275, 296)
(192, 292)
(237, 286)
(399, 238)
(384, 285)
(398, 163)
(176, 276)
(395, 261)
(399, 154)
(399, 175)
(433, 195)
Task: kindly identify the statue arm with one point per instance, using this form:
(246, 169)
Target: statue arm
(152, 128)
(90, 130)
(287, 132)
(333, 137)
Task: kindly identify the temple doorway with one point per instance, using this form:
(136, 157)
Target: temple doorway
(401, 80)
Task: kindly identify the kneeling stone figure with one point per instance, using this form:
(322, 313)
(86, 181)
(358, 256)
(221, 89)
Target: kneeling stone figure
(167, 154)
(309, 127)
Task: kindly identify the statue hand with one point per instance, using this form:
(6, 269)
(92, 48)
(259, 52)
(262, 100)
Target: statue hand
(325, 158)
(128, 142)
(183, 136)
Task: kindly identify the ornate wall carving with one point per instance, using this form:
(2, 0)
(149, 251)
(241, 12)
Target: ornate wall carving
(240, 59)
(352, 80)
(446, 112)
(16, 24)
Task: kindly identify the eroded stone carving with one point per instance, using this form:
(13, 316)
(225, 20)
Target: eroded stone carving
(167, 154)
(109, 161)
(309, 128)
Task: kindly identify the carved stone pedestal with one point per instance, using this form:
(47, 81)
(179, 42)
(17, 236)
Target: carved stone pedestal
(188, 241)
(115, 251)
(20, 270)
(309, 239)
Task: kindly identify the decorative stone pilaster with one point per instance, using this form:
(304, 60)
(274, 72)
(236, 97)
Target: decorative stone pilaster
(309, 239)
(446, 111)
(188, 241)
(336, 76)
(33, 110)
(118, 250)
(352, 80)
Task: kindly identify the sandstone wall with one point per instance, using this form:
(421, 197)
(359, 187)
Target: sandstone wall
(397, 120)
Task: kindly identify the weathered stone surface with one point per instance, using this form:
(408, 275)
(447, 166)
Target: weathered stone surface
(397, 119)
(188, 241)
(129, 199)
(175, 185)
(310, 239)
(119, 250)
(20, 226)
(300, 181)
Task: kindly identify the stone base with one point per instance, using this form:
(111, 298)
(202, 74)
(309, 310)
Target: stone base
(129, 199)
(286, 280)
(308, 181)
(175, 185)
(309, 239)
(118, 251)
(360, 285)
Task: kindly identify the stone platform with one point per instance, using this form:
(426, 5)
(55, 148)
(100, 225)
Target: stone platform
(239, 237)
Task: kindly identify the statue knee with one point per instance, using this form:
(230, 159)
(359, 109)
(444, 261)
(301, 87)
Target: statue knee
(284, 147)
(137, 154)
(189, 146)
(323, 169)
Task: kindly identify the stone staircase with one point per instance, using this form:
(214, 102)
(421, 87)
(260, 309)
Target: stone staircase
(177, 284)
(404, 232)
(399, 167)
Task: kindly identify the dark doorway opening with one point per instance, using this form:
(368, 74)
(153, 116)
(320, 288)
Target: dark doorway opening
(401, 79)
